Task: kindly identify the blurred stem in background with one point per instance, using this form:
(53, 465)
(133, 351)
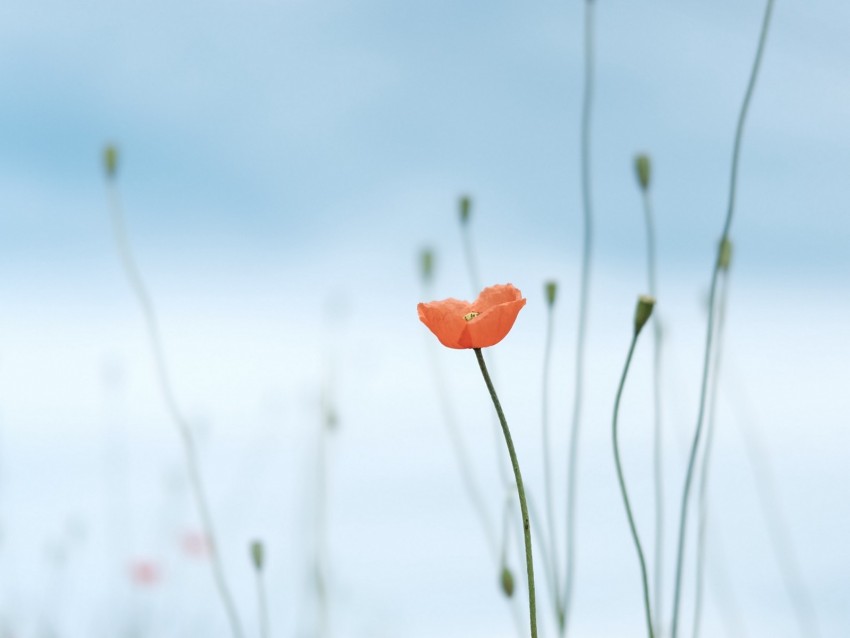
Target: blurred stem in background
(642, 314)
(702, 503)
(258, 560)
(134, 277)
(497, 550)
(643, 169)
(584, 291)
(781, 542)
(465, 213)
(550, 559)
(724, 237)
(526, 524)
(329, 423)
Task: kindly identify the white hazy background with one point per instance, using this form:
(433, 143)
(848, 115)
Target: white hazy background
(282, 163)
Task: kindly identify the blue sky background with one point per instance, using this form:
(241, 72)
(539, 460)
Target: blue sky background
(281, 165)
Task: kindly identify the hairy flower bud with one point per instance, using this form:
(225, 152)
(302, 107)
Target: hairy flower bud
(643, 311)
(110, 160)
(643, 169)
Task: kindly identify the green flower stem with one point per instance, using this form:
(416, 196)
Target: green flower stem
(736, 151)
(657, 451)
(551, 560)
(702, 502)
(632, 525)
(139, 289)
(263, 606)
(572, 465)
(526, 525)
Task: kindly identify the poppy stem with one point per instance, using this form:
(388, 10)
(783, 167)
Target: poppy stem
(620, 478)
(712, 299)
(526, 525)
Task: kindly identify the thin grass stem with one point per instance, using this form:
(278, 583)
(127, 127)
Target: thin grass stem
(624, 492)
(584, 292)
(706, 367)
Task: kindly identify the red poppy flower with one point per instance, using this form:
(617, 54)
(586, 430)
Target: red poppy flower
(480, 324)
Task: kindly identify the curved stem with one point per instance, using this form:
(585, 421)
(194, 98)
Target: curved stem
(526, 525)
(657, 439)
(572, 467)
(632, 526)
(551, 560)
(134, 277)
(702, 502)
(683, 518)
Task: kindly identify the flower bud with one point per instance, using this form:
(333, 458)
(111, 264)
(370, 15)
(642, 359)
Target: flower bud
(643, 168)
(551, 291)
(426, 264)
(643, 311)
(110, 160)
(724, 254)
(507, 582)
(257, 555)
(465, 208)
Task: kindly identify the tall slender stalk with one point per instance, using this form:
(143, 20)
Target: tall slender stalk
(551, 560)
(644, 169)
(584, 291)
(526, 524)
(258, 558)
(624, 492)
(702, 502)
(781, 542)
(736, 151)
(137, 284)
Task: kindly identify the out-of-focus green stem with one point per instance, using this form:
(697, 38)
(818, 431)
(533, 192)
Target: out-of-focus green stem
(736, 151)
(584, 291)
(137, 284)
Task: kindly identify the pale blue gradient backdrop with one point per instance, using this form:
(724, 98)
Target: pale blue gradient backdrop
(285, 160)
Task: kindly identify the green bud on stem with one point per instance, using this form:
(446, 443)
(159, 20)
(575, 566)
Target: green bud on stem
(257, 555)
(643, 169)
(643, 311)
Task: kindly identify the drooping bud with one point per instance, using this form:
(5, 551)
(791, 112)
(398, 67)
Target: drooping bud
(643, 311)
(110, 160)
(257, 555)
(643, 169)
(426, 264)
(551, 292)
(507, 582)
(465, 208)
(724, 254)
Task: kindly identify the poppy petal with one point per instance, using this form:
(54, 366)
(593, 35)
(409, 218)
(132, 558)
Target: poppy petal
(492, 325)
(445, 320)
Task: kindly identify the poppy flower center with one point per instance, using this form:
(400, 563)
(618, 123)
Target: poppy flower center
(471, 315)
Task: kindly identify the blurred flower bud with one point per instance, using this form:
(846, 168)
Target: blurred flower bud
(724, 254)
(643, 168)
(465, 208)
(643, 311)
(551, 291)
(257, 555)
(426, 263)
(110, 160)
(507, 582)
